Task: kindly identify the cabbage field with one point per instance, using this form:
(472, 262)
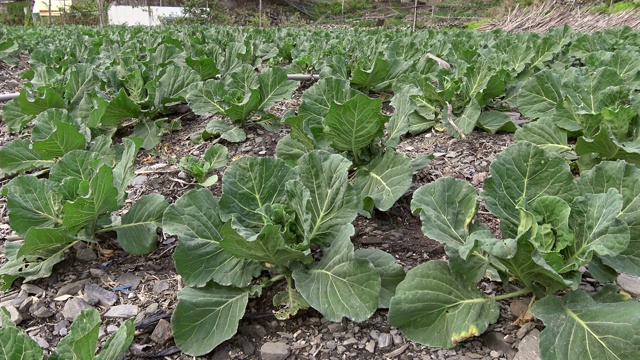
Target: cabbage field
(283, 195)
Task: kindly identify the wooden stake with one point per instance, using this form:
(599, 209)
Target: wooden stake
(415, 14)
(100, 12)
(260, 13)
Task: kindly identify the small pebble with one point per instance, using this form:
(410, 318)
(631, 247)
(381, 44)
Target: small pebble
(111, 329)
(370, 346)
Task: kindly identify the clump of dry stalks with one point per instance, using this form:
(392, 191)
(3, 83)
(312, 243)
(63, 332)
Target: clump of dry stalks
(542, 17)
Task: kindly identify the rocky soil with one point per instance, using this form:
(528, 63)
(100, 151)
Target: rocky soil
(122, 286)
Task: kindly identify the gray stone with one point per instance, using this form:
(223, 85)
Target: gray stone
(397, 339)
(111, 329)
(15, 300)
(350, 341)
(370, 346)
(141, 315)
(161, 286)
(254, 330)
(629, 283)
(33, 290)
(331, 345)
(248, 348)
(73, 307)
(96, 273)
(86, 255)
(26, 303)
(63, 332)
(274, 351)
(39, 310)
(59, 326)
(221, 354)
(151, 308)
(519, 306)
(94, 294)
(139, 180)
(495, 341)
(72, 288)
(14, 314)
(529, 348)
(384, 340)
(41, 342)
(335, 327)
(122, 311)
(129, 279)
(162, 332)
(374, 334)
(524, 330)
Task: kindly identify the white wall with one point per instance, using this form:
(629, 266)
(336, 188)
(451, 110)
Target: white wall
(144, 15)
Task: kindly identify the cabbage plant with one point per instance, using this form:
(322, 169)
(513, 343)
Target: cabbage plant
(552, 225)
(336, 118)
(80, 343)
(277, 225)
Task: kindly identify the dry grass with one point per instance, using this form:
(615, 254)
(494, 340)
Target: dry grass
(542, 17)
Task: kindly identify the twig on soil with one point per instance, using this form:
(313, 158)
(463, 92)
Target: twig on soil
(397, 351)
(450, 120)
(317, 351)
(166, 352)
(163, 252)
(182, 181)
(151, 321)
(169, 170)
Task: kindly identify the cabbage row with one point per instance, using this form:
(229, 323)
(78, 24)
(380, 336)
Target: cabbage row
(289, 217)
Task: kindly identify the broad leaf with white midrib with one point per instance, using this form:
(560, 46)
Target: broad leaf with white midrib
(623, 177)
(82, 339)
(332, 201)
(354, 124)
(249, 184)
(545, 134)
(173, 84)
(32, 204)
(317, 100)
(82, 80)
(524, 172)
(447, 206)
(340, 285)
(137, 232)
(540, 95)
(17, 156)
(597, 228)
(206, 317)
(578, 328)
(15, 343)
(194, 217)
(439, 307)
(206, 97)
(385, 179)
(274, 86)
(391, 273)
